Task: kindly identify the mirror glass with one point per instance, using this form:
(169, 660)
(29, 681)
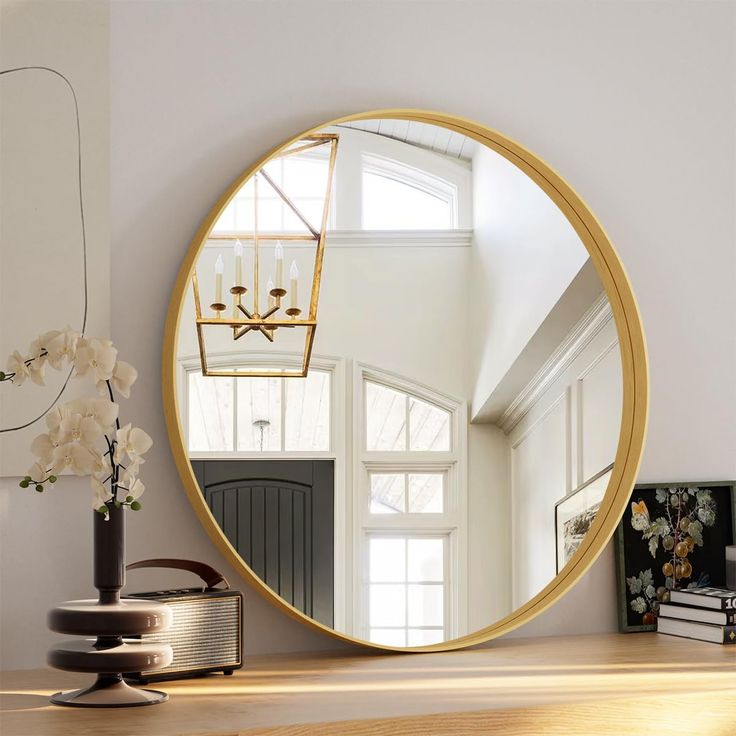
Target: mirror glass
(399, 381)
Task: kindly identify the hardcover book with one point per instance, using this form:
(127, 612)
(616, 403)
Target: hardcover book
(694, 630)
(718, 598)
(703, 615)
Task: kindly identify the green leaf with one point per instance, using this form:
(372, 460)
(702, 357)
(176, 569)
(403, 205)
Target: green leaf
(695, 530)
(659, 527)
(703, 496)
(39, 487)
(653, 546)
(102, 510)
(136, 506)
(634, 584)
(639, 605)
(661, 495)
(53, 479)
(128, 499)
(646, 578)
(24, 483)
(669, 583)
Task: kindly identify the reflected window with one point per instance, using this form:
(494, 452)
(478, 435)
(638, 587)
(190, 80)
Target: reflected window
(406, 589)
(413, 493)
(387, 414)
(301, 177)
(253, 415)
(411, 512)
(400, 197)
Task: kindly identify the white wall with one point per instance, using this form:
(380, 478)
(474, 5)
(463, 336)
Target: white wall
(630, 102)
(525, 256)
(566, 435)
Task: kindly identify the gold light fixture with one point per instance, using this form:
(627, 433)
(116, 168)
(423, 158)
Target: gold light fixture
(266, 319)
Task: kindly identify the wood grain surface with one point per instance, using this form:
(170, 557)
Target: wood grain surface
(610, 684)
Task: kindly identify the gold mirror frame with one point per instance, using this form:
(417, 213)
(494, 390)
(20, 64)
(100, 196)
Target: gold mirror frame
(633, 360)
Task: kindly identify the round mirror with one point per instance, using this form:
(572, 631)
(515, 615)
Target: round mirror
(405, 380)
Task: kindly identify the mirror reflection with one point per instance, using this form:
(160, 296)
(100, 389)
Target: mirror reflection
(399, 381)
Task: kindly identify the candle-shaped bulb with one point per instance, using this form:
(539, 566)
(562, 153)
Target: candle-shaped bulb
(279, 254)
(219, 268)
(294, 276)
(238, 251)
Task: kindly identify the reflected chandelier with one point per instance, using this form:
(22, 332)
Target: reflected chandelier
(268, 319)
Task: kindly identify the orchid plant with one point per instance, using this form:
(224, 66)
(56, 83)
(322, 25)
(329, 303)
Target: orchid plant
(85, 436)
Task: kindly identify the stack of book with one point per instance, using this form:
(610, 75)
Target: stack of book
(708, 614)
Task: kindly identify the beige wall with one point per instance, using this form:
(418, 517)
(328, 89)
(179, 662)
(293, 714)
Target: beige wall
(41, 257)
(628, 101)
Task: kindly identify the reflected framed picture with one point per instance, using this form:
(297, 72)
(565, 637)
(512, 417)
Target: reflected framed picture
(575, 513)
(672, 536)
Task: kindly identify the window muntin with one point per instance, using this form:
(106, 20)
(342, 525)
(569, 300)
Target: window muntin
(406, 589)
(400, 197)
(387, 413)
(253, 414)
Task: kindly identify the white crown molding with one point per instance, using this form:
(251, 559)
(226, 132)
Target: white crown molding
(592, 322)
(371, 239)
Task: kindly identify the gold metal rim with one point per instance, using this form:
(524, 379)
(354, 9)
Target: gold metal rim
(633, 358)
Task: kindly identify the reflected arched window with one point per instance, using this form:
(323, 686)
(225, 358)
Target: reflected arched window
(399, 197)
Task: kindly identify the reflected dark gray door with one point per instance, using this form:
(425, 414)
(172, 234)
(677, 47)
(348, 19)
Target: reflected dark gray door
(279, 515)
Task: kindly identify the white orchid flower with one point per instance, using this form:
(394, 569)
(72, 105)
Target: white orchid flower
(72, 456)
(76, 428)
(60, 346)
(97, 356)
(17, 364)
(103, 411)
(36, 371)
(38, 472)
(55, 417)
(39, 356)
(101, 466)
(43, 448)
(100, 493)
(133, 442)
(135, 489)
(123, 377)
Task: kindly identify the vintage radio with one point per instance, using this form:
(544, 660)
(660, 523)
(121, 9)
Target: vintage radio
(206, 634)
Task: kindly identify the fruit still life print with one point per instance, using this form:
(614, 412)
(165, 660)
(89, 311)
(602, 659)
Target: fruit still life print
(673, 538)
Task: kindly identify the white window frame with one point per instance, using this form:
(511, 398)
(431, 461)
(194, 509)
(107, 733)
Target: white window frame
(452, 522)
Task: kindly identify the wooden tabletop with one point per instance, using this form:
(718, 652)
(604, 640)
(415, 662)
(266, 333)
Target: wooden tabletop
(610, 684)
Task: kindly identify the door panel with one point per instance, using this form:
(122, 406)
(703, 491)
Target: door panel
(279, 515)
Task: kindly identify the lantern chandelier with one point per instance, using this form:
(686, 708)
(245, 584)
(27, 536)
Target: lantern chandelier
(267, 318)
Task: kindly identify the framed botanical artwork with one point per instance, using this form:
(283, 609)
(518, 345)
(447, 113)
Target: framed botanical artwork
(671, 537)
(575, 513)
